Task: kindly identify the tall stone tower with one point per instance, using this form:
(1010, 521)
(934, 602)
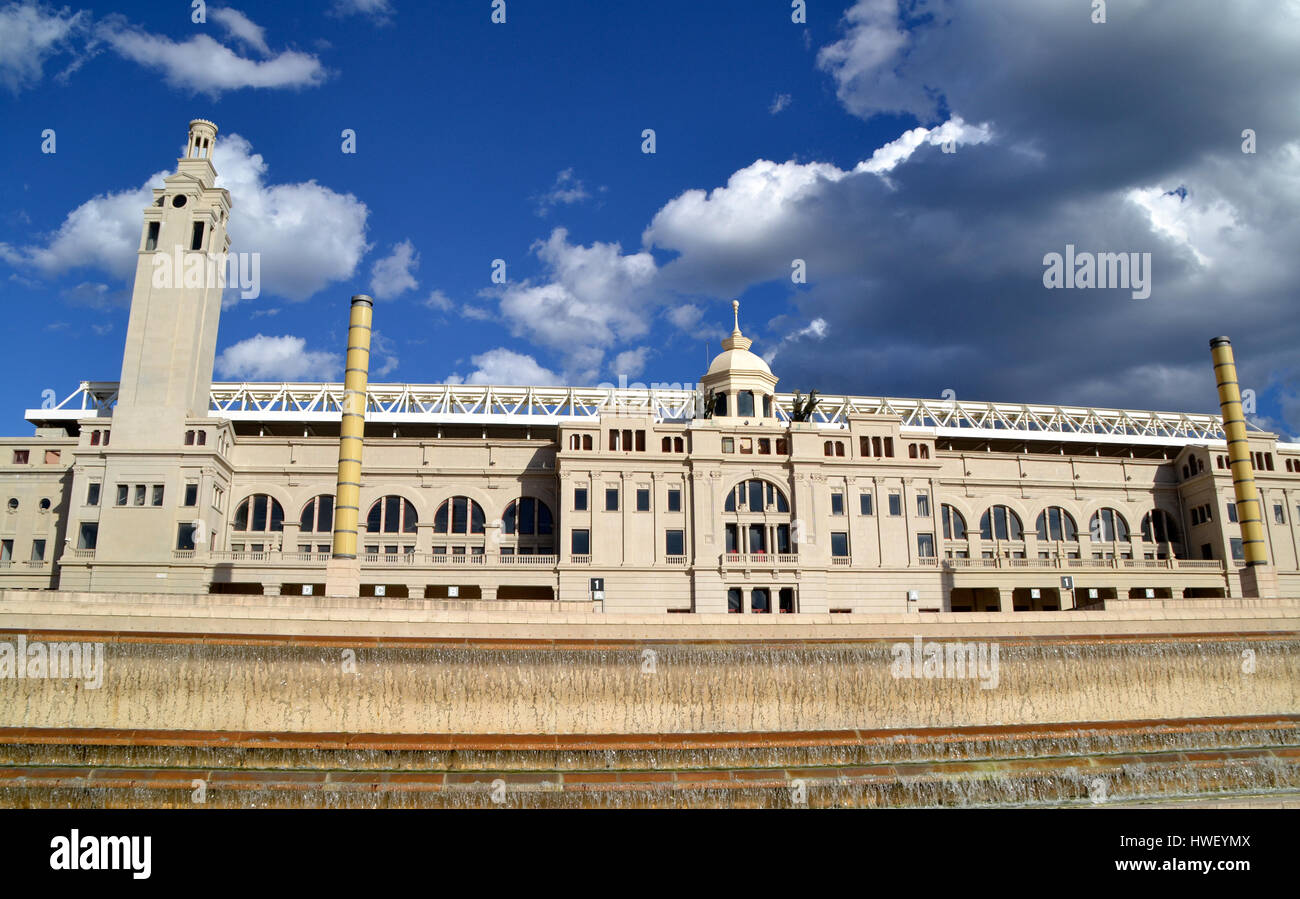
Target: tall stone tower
(160, 472)
(171, 340)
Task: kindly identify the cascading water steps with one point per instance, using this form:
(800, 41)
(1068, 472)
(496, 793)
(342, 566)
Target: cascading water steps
(1245, 760)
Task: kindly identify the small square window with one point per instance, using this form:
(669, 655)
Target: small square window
(21, 456)
(728, 445)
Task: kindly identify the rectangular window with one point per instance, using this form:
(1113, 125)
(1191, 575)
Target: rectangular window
(839, 544)
(643, 500)
(6, 550)
(895, 504)
(765, 446)
(781, 449)
(1279, 514)
(837, 503)
(675, 543)
(783, 538)
(157, 494)
(1237, 552)
(92, 494)
(735, 600)
(640, 441)
(925, 545)
(139, 494)
(38, 550)
(191, 494)
(52, 457)
(88, 538)
(728, 446)
(923, 505)
(1232, 512)
(611, 499)
(674, 500)
(151, 239)
(580, 499)
(21, 456)
(864, 503)
(889, 447)
(581, 543)
(185, 535)
(747, 446)
(196, 237)
(122, 491)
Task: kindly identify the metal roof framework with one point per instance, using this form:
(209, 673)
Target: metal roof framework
(482, 404)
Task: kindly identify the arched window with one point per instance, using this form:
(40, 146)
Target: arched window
(1158, 526)
(954, 523)
(745, 404)
(259, 513)
(1000, 523)
(756, 495)
(839, 447)
(526, 516)
(666, 444)
(828, 448)
(679, 445)
(391, 515)
(318, 516)
(575, 442)
(911, 451)
(1054, 523)
(458, 515)
(925, 451)
(586, 441)
(1108, 526)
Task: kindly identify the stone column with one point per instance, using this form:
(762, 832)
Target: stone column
(1005, 603)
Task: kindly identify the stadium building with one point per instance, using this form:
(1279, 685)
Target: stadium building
(728, 497)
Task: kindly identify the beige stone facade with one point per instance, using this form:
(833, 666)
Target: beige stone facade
(709, 500)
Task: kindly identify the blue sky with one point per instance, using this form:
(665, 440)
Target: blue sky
(822, 141)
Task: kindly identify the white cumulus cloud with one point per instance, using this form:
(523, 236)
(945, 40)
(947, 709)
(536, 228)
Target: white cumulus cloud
(392, 275)
(506, 368)
(286, 358)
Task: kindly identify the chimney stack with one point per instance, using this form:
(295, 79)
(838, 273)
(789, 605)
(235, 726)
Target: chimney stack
(343, 574)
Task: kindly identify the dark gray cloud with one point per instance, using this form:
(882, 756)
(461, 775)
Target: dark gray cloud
(933, 279)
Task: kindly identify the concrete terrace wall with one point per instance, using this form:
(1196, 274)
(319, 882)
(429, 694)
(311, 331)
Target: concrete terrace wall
(177, 666)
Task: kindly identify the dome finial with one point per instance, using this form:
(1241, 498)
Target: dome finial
(735, 311)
